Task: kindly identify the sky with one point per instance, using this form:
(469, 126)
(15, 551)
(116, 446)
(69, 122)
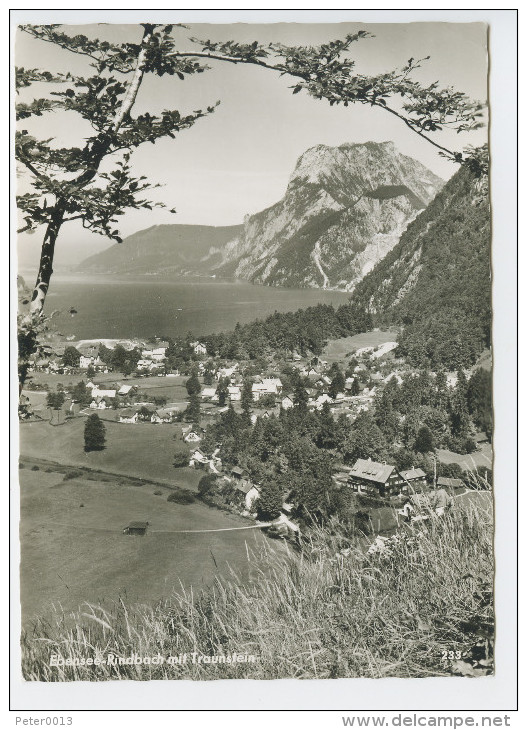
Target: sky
(238, 160)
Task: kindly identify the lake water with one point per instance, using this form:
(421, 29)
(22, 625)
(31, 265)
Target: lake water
(124, 307)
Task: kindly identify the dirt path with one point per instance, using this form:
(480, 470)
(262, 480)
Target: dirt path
(160, 532)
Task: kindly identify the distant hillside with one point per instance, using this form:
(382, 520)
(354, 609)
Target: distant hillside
(176, 249)
(437, 280)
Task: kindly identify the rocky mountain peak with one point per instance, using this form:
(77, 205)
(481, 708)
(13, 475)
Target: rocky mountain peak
(344, 209)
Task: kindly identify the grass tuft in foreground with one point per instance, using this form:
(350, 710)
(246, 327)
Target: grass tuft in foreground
(422, 608)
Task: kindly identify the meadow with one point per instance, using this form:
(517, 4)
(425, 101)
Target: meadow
(142, 450)
(73, 550)
(337, 350)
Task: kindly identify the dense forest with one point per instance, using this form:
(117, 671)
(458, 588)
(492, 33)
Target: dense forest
(304, 331)
(436, 281)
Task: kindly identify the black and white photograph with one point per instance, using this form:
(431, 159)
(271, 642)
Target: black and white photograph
(255, 351)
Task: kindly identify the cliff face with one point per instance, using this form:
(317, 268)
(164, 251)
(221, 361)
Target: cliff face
(344, 209)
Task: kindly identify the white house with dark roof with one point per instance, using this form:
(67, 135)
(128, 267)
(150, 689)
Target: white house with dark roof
(249, 490)
(127, 415)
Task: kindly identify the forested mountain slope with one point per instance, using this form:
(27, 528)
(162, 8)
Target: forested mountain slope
(437, 280)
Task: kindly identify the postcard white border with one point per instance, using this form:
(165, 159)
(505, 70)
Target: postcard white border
(349, 695)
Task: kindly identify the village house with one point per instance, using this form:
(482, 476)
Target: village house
(149, 353)
(235, 393)
(209, 394)
(450, 483)
(86, 361)
(384, 349)
(199, 348)
(199, 460)
(413, 477)
(158, 354)
(266, 386)
(192, 437)
(128, 415)
(226, 372)
(238, 473)
(287, 403)
(142, 363)
(100, 393)
(136, 528)
(126, 390)
(371, 477)
(160, 416)
(319, 402)
(98, 404)
(250, 492)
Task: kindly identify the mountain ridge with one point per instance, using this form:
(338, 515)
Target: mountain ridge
(343, 210)
(183, 246)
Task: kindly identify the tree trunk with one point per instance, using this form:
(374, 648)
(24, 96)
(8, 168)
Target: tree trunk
(45, 268)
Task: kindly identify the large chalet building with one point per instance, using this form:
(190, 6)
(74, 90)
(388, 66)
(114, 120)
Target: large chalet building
(373, 478)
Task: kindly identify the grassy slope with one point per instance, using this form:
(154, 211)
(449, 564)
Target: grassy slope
(138, 450)
(72, 554)
(337, 350)
(317, 617)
